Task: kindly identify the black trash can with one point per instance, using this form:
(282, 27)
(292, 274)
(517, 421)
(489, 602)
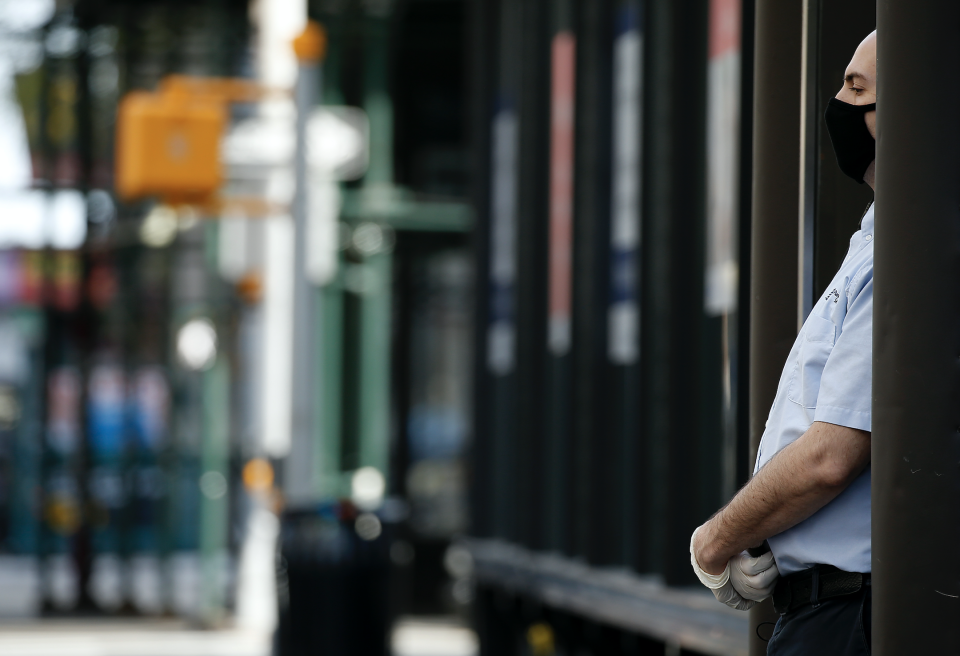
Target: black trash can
(333, 579)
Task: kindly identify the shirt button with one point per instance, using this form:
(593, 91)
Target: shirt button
(868, 237)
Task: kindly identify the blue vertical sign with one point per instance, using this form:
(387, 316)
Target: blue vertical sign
(106, 427)
(106, 411)
(624, 311)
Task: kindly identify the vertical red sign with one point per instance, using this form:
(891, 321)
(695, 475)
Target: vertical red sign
(561, 190)
(723, 158)
(725, 18)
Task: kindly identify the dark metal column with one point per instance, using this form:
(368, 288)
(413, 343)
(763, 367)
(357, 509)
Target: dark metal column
(838, 201)
(531, 311)
(483, 25)
(773, 256)
(742, 319)
(916, 338)
(501, 330)
(673, 328)
(597, 527)
(557, 458)
(831, 204)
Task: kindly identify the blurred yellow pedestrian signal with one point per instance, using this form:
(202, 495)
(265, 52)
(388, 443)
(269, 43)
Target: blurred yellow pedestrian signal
(168, 145)
(168, 141)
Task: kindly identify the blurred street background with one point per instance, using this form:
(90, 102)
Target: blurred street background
(180, 382)
(367, 327)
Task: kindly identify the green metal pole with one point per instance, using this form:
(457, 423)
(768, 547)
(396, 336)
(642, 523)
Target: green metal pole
(377, 102)
(214, 487)
(214, 452)
(329, 423)
(326, 336)
(374, 402)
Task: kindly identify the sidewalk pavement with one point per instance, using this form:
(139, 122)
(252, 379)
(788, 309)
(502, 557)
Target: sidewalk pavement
(126, 638)
(418, 636)
(155, 637)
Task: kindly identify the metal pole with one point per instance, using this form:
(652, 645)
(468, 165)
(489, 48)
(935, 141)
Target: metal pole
(214, 503)
(557, 423)
(810, 113)
(376, 95)
(373, 394)
(502, 270)
(483, 24)
(594, 465)
(674, 326)
(330, 306)
(532, 294)
(776, 175)
(299, 475)
(916, 382)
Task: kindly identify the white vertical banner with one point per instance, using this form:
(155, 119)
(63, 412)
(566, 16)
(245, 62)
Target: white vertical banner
(562, 110)
(278, 23)
(276, 364)
(233, 244)
(501, 332)
(721, 282)
(623, 319)
(323, 241)
(723, 157)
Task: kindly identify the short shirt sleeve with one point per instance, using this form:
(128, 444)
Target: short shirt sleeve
(845, 388)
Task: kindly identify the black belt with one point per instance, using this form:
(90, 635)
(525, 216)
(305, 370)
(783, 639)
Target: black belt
(811, 586)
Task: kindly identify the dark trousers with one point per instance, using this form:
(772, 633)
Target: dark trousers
(839, 626)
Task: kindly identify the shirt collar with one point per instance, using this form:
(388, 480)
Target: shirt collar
(866, 223)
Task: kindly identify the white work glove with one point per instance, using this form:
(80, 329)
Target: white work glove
(754, 577)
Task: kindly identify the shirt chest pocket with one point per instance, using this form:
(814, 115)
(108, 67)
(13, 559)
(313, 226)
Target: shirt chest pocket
(819, 337)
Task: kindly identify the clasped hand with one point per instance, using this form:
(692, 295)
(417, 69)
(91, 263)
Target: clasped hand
(744, 581)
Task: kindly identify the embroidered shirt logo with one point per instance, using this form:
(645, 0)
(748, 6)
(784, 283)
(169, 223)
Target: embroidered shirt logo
(835, 294)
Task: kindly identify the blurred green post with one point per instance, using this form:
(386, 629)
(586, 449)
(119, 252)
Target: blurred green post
(329, 409)
(373, 406)
(214, 488)
(377, 101)
(330, 313)
(374, 401)
(213, 482)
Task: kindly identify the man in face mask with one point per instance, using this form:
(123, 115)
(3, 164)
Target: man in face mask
(800, 529)
(851, 116)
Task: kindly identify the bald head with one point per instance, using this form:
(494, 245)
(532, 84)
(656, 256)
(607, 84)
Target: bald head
(860, 80)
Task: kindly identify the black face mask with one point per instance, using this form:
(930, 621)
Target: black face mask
(852, 143)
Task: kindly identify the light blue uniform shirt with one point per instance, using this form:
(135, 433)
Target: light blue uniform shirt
(827, 378)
